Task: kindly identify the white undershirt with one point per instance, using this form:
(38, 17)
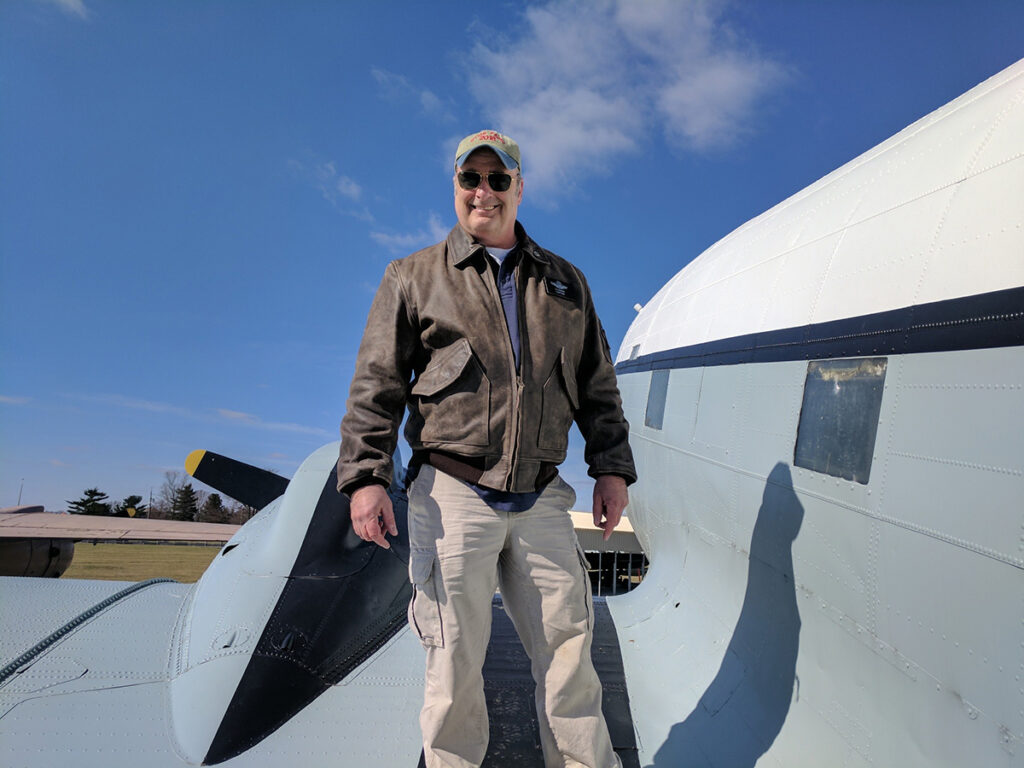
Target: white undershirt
(498, 254)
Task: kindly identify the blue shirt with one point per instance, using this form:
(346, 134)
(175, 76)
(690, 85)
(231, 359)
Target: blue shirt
(505, 501)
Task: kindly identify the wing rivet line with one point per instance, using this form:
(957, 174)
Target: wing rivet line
(45, 643)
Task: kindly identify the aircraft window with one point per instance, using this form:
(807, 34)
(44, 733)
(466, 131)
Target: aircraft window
(839, 417)
(656, 398)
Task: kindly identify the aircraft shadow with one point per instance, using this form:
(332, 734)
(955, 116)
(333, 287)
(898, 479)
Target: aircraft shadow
(743, 710)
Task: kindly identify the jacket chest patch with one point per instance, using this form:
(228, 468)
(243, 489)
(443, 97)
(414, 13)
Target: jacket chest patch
(556, 287)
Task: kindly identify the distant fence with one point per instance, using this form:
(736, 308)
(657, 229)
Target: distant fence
(613, 573)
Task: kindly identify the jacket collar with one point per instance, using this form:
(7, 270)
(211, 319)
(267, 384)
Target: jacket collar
(462, 247)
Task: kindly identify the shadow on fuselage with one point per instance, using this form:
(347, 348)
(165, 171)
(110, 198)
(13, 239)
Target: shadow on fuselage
(743, 710)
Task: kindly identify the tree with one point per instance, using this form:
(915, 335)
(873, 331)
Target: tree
(241, 513)
(162, 508)
(93, 502)
(185, 505)
(130, 502)
(213, 510)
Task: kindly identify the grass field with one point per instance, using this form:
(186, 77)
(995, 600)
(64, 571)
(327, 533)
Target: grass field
(138, 562)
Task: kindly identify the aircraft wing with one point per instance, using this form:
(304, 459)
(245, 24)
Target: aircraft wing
(48, 525)
(294, 607)
(243, 482)
(293, 647)
(107, 692)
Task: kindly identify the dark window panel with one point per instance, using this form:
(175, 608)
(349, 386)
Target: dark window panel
(839, 417)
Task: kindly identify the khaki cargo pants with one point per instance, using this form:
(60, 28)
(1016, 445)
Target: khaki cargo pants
(461, 551)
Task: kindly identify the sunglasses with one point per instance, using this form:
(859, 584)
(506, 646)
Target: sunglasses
(497, 180)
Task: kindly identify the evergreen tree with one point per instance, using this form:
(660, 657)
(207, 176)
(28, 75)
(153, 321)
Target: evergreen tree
(162, 507)
(185, 506)
(130, 502)
(213, 510)
(93, 502)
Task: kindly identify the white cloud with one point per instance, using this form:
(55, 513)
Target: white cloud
(249, 419)
(348, 188)
(431, 104)
(332, 183)
(199, 414)
(72, 7)
(136, 404)
(434, 232)
(396, 88)
(590, 81)
(339, 190)
(10, 400)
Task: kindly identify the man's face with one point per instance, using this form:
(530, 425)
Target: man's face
(488, 216)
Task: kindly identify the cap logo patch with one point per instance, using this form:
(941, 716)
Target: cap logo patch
(490, 136)
(507, 149)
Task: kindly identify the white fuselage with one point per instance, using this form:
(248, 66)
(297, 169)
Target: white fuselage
(900, 598)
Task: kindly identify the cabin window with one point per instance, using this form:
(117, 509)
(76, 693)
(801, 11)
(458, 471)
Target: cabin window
(656, 398)
(839, 417)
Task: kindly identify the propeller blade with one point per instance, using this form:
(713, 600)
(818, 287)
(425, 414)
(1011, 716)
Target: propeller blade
(242, 482)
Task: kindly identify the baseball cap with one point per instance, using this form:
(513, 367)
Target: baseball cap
(504, 147)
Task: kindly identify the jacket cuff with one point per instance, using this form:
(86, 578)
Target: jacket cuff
(355, 485)
(630, 478)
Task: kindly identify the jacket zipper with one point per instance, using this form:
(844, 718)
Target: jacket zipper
(518, 389)
(517, 434)
(514, 375)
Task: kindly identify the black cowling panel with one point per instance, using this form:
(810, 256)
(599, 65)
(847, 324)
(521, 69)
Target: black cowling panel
(344, 599)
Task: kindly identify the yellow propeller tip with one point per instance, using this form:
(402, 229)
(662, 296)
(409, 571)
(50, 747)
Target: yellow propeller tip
(193, 461)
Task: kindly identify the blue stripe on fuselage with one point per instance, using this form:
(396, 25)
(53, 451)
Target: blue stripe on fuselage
(972, 322)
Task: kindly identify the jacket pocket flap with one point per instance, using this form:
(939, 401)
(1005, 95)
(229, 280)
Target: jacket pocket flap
(569, 377)
(421, 563)
(444, 368)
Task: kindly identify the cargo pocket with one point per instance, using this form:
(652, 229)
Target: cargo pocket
(560, 400)
(588, 593)
(454, 397)
(424, 613)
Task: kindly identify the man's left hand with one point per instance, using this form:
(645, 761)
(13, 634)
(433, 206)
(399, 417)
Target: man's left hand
(610, 498)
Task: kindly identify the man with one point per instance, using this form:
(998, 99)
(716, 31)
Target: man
(503, 348)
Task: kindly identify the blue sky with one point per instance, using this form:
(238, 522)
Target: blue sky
(198, 199)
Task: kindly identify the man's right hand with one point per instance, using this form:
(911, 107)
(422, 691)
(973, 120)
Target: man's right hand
(372, 514)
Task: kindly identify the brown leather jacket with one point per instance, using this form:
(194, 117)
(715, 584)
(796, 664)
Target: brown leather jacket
(437, 321)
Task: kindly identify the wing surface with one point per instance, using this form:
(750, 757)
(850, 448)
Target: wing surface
(49, 525)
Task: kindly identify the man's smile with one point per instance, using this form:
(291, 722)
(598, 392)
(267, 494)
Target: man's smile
(487, 215)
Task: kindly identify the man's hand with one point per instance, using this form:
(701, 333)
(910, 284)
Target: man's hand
(610, 498)
(372, 514)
